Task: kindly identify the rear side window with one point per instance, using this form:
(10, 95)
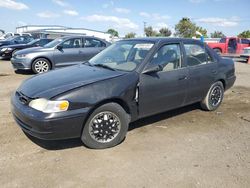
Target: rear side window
(91, 43)
(196, 55)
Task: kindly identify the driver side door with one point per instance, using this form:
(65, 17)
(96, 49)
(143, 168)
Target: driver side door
(166, 89)
(69, 54)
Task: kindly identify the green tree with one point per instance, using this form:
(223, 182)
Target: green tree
(165, 32)
(202, 31)
(113, 32)
(217, 34)
(149, 32)
(130, 35)
(186, 28)
(245, 34)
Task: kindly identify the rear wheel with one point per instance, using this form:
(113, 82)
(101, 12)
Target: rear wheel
(41, 65)
(217, 50)
(214, 97)
(106, 127)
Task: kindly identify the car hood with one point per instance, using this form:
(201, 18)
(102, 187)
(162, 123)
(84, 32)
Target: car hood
(33, 50)
(53, 83)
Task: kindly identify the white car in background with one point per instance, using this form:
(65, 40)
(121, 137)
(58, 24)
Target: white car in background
(246, 54)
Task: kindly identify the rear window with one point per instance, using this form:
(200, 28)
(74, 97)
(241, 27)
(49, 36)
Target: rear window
(245, 41)
(222, 40)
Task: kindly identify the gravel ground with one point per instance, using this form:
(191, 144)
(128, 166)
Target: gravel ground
(186, 147)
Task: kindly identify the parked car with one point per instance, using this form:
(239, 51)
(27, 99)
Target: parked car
(11, 34)
(229, 45)
(131, 79)
(6, 52)
(63, 51)
(16, 40)
(246, 54)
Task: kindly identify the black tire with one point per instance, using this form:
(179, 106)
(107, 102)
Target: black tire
(217, 50)
(91, 139)
(214, 97)
(41, 65)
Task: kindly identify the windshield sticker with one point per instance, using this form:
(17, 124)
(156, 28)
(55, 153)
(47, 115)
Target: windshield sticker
(143, 46)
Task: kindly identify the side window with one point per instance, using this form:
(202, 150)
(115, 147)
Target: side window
(19, 39)
(168, 56)
(90, 42)
(41, 42)
(72, 43)
(245, 41)
(196, 55)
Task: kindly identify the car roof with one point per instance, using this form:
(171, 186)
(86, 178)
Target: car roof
(76, 36)
(163, 39)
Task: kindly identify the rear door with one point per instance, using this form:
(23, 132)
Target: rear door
(202, 71)
(91, 47)
(70, 53)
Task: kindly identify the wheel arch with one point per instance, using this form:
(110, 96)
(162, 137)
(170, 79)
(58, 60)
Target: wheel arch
(49, 60)
(223, 82)
(119, 101)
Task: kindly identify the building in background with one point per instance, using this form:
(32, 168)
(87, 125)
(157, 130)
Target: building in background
(54, 31)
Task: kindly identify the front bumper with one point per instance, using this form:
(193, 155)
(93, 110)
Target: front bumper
(5, 54)
(44, 126)
(23, 64)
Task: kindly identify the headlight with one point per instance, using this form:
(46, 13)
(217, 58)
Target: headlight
(48, 106)
(3, 49)
(21, 56)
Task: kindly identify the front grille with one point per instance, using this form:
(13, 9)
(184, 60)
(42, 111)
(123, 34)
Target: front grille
(23, 98)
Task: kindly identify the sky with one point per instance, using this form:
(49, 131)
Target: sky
(229, 16)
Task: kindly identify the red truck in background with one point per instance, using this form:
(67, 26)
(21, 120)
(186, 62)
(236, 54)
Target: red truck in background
(226, 45)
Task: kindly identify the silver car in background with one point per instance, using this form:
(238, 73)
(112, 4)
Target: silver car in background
(60, 52)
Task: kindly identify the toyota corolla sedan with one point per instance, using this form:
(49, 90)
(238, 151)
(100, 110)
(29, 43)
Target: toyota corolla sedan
(129, 80)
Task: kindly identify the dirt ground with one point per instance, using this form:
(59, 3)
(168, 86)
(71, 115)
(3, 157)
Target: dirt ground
(182, 148)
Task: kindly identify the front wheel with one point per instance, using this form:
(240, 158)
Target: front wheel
(106, 127)
(214, 97)
(41, 65)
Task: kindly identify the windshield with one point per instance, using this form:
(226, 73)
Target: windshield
(53, 43)
(33, 41)
(123, 55)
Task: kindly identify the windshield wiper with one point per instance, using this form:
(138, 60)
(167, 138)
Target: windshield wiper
(104, 66)
(87, 63)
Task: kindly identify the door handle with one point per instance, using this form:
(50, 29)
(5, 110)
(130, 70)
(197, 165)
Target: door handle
(182, 78)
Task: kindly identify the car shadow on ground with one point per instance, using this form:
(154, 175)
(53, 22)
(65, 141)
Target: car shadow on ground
(76, 142)
(25, 72)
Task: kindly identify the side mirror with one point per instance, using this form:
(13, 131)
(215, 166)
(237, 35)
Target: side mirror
(37, 44)
(153, 69)
(59, 47)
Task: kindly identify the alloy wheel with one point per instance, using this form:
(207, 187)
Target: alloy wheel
(104, 127)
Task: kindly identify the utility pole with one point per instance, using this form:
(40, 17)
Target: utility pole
(144, 27)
